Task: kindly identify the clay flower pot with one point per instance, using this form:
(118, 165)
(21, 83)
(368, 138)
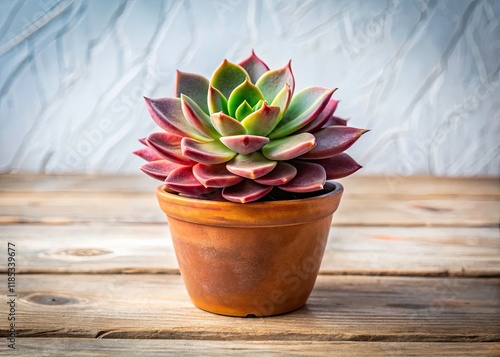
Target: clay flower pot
(254, 259)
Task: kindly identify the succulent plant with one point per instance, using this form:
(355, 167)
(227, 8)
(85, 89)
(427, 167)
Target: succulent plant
(243, 135)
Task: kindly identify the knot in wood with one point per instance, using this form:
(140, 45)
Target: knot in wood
(51, 299)
(82, 252)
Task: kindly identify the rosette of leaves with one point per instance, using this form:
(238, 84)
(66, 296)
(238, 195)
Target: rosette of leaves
(244, 135)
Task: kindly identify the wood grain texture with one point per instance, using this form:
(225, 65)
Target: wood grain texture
(410, 187)
(48, 347)
(412, 267)
(147, 248)
(69, 208)
(341, 308)
(383, 201)
(400, 187)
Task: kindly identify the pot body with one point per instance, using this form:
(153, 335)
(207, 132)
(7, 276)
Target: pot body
(253, 259)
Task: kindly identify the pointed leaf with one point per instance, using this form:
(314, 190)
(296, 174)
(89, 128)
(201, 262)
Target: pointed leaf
(143, 141)
(259, 105)
(207, 153)
(289, 147)
(310, 177)
(183, 180)
(333, 140)
(282, 99)
(243, 110)
(194, 86)
(227, 77)
(251, 166)
(159, 169)
(254, 66)
(167, 113)
(303, 108)
(215, 175)
(227, 125)
(216, 101)
(335, 121)
(244, 144)
(148, 154)
(281, 174)
(338, 166)
(272, 82)
(322, 118)
(246, 91)
(197, 118)
(263, 121)
(169, 146)
(246, 191)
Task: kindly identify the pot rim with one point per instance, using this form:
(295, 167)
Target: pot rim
(253, 214)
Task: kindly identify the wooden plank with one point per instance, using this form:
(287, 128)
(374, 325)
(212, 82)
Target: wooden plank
(77, 183)
(143, 248)
(435, 213)
(48, 347)
(411, 187)
(341, 308)
(426, 251)
(111, 248)
(485, 188)
(68, 208)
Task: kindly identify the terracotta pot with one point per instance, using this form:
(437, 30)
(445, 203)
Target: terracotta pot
(253, 259)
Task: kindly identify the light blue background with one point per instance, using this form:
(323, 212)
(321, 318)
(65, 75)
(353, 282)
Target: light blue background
(422, 75)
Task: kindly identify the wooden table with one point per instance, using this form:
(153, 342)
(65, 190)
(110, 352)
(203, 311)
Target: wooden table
(412, 268)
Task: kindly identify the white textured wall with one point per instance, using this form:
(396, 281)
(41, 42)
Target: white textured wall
(423, 75)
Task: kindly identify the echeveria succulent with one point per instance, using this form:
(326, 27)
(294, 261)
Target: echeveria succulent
(243, 135)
